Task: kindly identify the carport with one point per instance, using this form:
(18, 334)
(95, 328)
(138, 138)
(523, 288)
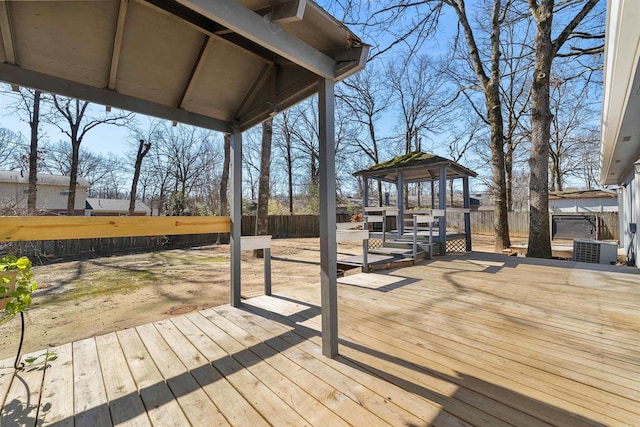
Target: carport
(224, 65)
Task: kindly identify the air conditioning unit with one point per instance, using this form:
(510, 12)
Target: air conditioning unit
(594, 251)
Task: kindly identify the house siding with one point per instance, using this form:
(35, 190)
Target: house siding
(49, 198)
(584, 205)
(629, 213)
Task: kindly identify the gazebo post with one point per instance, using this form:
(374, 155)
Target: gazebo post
(400, 192)
(365, 193)
(328, 249)
(467, 215)
(433, 195)
(235, 196)
(442, 204)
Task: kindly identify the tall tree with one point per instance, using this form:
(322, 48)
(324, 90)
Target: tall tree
(546, 49)
(224, 185)
(27, 107)
(262, 218)
(285, 123)
(488, 73)
(34, 124)
(12, 147)
(71, 116)
(143, 149)
(367, 96)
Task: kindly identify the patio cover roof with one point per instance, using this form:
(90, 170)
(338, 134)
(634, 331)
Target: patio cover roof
(208, 63)
(224, 65)
(416, 166)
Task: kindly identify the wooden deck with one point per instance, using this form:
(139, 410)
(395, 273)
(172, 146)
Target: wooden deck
(476, 339)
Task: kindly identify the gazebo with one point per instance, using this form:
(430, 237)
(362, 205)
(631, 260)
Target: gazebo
(224, 65)
(418, 167)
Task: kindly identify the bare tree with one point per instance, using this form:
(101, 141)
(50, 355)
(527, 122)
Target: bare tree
(570, 105)
(367, 96)
(262, 218)
(285, 142)
(546, 49)
(422, 98)
(143, 149)
(224, 184)
(105, 174)
(27, 106)
(72, 118)
(12, 147)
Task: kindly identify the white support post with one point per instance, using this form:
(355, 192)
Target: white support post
(235, 204)
(328, 249)
(400, 191)
(415, 237)
(365, 191)
(442, 204)
(365, 247)
(250, 243)
(467, 213)
(267, 271)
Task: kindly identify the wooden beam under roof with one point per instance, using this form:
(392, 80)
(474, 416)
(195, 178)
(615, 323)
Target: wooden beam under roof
(252, 26)
(267, 70)
(7, 36)
(197, 69)
(22, 77)
(117, 44)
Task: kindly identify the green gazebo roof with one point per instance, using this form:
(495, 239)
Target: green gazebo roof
(416, 166)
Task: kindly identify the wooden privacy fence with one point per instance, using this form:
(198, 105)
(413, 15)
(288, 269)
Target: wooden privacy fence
(281, 226)
(482, 223)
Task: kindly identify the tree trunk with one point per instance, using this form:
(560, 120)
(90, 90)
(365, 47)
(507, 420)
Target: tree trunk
(224, 183)
(73, 180)
(500, 222)
(262, 218)
(508, 165)
(33, 155)
(539, 235)
(143, 149)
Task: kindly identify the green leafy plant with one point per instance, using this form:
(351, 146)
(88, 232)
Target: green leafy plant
(16, 286)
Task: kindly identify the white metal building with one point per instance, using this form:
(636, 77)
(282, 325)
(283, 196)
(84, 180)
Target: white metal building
(53, 192)
(620, 145)
(583, 201)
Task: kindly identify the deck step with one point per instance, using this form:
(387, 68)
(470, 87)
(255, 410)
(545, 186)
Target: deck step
(397, 252)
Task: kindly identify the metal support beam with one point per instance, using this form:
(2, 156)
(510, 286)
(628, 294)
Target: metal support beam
(467, 215)
(7, 36)
(252, 26)
(235, 204)
(442, 204)
(400, 192)
(197, 69)
(328, 249)
(21, 77)
(117, 44)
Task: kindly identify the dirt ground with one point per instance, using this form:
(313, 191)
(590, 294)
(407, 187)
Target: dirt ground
(80, 299)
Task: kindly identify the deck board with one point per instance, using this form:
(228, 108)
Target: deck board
(466, 340)
(55, 406)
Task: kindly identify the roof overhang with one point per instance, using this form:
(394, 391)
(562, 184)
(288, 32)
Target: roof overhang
(620, 127)
(209, 63)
